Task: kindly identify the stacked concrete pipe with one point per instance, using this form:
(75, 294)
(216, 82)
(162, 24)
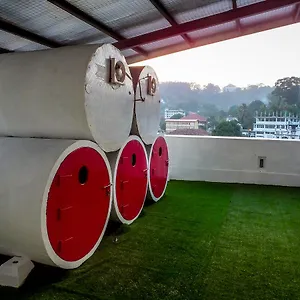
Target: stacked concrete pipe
(65, 119)
(55, 199)
(146, 116)
(145, 124)
(129, 172)
(158, 168)
(56, 188)
(77, 92)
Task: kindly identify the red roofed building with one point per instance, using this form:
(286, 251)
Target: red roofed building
(199, 131)
(191, 121)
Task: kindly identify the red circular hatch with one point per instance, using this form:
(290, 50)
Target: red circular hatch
(131, 180)
(78, 204)
(159, 165)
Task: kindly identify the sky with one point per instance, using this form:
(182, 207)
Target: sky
(258, 58)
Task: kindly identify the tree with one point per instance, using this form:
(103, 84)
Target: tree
(177, 116)
(233, 111)
(193, 97)
(212, 88)
(288, 89)
(256, 106)
(277, 104)
(212, 122)
(226, 128)
(162, 124)
(245, 117)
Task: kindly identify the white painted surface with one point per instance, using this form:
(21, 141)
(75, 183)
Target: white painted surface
(28, 167)
(146, 115)
(114, 160)
(65, 93)
(236, 160)
(14, 272)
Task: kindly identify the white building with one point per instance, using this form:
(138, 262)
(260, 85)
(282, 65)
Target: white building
(171, 112)
(191, 121)
(276, 126)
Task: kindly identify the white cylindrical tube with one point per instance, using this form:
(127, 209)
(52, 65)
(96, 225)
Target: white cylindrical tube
(146, 115)
(158, 168)
(129, 171)
(76, 92)
(55, 199)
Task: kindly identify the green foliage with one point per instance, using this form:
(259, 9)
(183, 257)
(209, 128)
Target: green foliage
(256, 106)
(211, 101)
(212, 122)
(288, 89)
(177, 116)
(162, 124)
(193, 97)
(225, 128)
(286, 96)
(245, 117)
(234, 111)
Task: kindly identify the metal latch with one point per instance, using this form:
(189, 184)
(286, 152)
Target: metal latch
(117, 72)
(107, 189)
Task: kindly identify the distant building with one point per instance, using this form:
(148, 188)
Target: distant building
(199, 131)
(171, 112)
(277, 126)
(191, 121)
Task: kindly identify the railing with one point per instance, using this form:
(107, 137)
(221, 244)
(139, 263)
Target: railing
(236, 160)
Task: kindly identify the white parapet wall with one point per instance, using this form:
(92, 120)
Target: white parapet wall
(234, 160)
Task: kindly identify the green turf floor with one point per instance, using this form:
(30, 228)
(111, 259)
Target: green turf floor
(202, 241)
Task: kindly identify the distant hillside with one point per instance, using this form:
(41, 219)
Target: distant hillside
(192, 97)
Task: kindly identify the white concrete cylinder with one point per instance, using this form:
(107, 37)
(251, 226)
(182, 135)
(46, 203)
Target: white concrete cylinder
(146, 115)
(75, 92)
(129, 172)
(55, 199)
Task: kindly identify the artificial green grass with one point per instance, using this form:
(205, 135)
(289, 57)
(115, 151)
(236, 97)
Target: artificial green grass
(202, 241)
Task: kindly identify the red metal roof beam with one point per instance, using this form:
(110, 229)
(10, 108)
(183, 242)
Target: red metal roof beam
(225, 17)
(238, 22)
(164, 12)
(297, 13)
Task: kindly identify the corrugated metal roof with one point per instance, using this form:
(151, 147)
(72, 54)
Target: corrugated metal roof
(193, 10)
(140, 28)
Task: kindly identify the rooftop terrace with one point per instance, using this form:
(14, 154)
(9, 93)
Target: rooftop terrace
(202, 241)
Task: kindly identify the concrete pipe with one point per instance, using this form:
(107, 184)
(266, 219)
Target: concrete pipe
(129, 168)
(55, 199)
(158, 169)
(78, 92)
(146, 115)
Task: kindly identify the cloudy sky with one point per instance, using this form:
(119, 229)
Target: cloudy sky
(258, 58)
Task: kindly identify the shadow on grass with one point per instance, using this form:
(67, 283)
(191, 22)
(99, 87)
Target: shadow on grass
(116, 229)
(150, 202)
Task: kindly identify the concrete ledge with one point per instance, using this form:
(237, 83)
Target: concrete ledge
(234, 160)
